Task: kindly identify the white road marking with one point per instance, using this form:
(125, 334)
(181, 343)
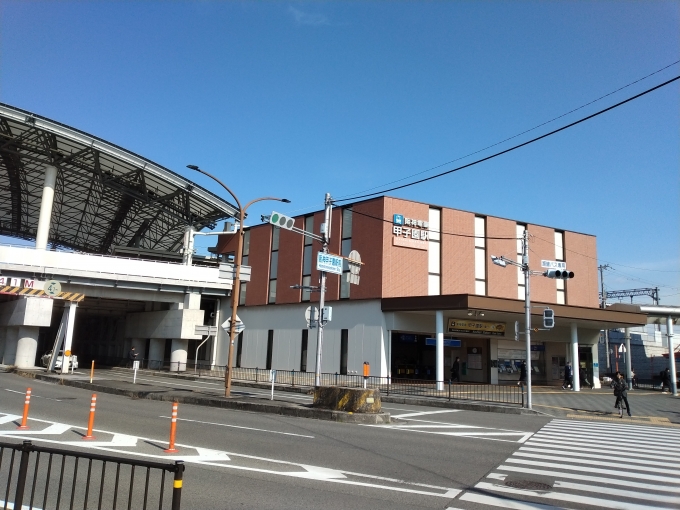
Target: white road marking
(595, 437)
(563, 496)
(54, 429)
(445, 429)
(119, 440)
(9, 418)
(589, 469)
(423, 413)
(225, 460)
(598, 479)
(621, 493)
(618, 464)
(473, 497)
(568, 456)
(610, 441)
(33, 395)
(240, 427)
(550, 445)
(636, 430)
(616, 426)
(10, 506)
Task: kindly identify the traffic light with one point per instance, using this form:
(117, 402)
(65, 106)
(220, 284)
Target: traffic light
(548, 318)
(281, 220)
(559, 274)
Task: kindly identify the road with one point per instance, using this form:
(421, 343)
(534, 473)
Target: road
(430, 458)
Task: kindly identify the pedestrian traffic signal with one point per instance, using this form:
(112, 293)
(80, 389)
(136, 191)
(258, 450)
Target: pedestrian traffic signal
(559, 274)
(548, 318)
(281, 220)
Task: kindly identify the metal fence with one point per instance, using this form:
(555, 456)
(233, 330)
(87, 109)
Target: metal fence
(49, 478)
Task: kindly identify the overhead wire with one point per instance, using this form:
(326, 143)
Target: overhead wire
(441, 174)
(522, 133)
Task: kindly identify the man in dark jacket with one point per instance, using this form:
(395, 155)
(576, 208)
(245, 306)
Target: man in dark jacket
(666, 379)
(568, 375)
(522, 376)
(621, 393)
(132, 356)
(583, 377)
(455, 370)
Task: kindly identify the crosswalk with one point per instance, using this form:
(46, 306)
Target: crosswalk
(580, 464)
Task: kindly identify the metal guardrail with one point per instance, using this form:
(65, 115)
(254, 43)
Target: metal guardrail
(42, 478)
(503, 394)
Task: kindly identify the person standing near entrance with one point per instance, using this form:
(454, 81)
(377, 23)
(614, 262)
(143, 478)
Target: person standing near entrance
(568, 376)
(621, 393)
(132, 356)
(666, 379)
(455, 370)
(522, 376)
(583, 377)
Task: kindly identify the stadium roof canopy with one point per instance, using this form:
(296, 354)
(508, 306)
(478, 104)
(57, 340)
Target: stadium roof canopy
(105, 196)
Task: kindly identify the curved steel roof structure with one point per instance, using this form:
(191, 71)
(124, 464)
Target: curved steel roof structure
(105, 196)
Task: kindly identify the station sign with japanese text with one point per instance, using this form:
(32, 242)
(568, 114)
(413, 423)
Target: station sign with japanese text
(476, 327)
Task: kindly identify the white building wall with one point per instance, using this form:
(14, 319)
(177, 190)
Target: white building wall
(363, 320)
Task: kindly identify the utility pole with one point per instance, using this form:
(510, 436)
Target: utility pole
(326, 232)
(527, 310)
(603, 305)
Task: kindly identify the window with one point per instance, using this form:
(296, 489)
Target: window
(303, 350)
(239, 349)
(270, 348)
(480, 255)
(346, 247)
(307, 258)
(344, 345)
(274, 264)
(521, 289)
(244, 262)
(434, 253)
(559, 255)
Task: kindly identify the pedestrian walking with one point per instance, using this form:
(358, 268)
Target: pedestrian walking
(633, 378)
(568, 376)
(522, 376)
(455, 370)
(621, 393)
(583, 377)
(132, 356)
(666, 379)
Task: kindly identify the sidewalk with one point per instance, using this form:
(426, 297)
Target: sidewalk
(648, 407)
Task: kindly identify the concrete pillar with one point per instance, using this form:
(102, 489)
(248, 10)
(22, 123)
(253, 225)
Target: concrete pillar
(27, 345)
(192, 301)
(156, 353)
(389, 355)
(3, 335)
(68, 337)
(188, 246)
(594, 350)
(11, 345)
(671, 356)
(178, 355)
(45, 218)
(629, 360)
(439, 334)
(576, 384)
(493, 356)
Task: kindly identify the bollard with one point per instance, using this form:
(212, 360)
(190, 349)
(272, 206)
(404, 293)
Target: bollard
(24, 418)
(173, 429)
(90, 421)
(177, 485)
(92, 372)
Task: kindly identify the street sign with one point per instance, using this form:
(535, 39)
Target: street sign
(354, 264)
(622, 348)
(329, 263)
(52, 288)
(553, 264)
(205, 330)
(226, 325)
(312, 316)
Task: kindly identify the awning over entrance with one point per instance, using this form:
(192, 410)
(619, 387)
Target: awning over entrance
(463, 305)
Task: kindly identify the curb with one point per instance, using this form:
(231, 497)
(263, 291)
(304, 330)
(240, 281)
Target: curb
(284, 410)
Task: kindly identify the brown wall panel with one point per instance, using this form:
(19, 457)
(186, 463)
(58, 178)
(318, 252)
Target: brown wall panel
(260, 253)
(542, 247)
(404, 269)
(458, 252)
(580, 253)
(368, 235)
(501, 281)
(290, 264)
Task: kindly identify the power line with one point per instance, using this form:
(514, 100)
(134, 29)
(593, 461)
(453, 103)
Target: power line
(441, 174)
(522, 133)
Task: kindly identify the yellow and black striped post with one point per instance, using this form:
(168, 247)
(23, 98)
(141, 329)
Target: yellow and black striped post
(177, 485)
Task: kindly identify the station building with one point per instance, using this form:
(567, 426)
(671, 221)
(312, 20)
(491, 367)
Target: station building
(426, 271)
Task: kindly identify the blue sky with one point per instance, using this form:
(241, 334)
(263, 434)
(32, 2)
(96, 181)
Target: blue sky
(297, 99)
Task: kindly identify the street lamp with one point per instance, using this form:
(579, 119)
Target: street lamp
(236, 288)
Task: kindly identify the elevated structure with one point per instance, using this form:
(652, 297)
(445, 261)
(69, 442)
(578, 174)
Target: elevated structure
(84, 200)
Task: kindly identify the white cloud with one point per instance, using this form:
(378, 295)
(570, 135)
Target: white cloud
(303, 18)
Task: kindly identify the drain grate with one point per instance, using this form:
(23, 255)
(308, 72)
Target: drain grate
(528, 485)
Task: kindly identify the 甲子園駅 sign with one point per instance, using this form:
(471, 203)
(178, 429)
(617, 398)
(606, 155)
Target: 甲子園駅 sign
(409, 232)
(476, 327)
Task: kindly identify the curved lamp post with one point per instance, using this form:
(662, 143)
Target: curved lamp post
(236, 289)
